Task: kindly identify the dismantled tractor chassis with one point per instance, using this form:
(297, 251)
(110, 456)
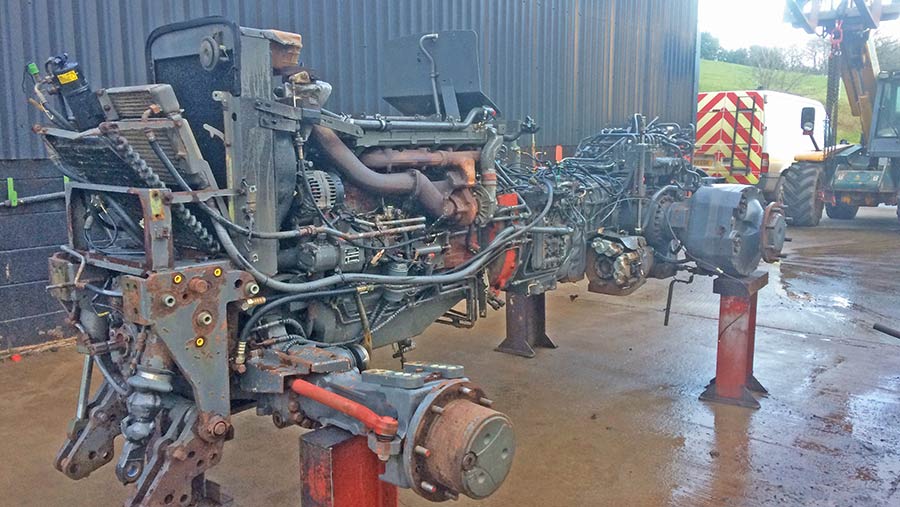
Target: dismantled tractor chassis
(234, 245)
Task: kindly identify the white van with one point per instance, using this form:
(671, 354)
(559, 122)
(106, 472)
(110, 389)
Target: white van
(750, 136)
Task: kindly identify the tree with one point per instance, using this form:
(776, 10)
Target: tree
(888, 50)
(816, 54)
(739, 56)
(710, 49)
(776, 68)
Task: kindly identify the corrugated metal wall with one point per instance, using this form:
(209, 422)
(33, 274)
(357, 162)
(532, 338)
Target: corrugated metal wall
(574, 65)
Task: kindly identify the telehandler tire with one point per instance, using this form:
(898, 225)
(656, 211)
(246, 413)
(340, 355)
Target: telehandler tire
(802, 184)
(841, 211)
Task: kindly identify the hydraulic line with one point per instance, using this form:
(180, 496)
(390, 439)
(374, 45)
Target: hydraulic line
(472, 267)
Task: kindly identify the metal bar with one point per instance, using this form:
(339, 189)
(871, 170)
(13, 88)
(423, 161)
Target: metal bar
(381, 425)
(84, 392)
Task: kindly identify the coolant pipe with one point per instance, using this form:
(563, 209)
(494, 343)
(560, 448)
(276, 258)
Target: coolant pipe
(382, 426)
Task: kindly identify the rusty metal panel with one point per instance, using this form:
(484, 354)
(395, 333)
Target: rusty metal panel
(574, 65)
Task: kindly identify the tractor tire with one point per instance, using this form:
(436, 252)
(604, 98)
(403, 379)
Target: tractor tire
(841, 211)
(802, 185)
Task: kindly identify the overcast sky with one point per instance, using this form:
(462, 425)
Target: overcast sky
(744, 23)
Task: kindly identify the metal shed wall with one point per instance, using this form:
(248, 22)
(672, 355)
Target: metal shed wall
(573, 65)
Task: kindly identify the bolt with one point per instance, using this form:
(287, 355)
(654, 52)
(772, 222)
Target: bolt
(101, 416)
(293, 406)
(465, 390)
(251, 302)
(168, 300)
(451, 495)
(220, 428)
(253, 288)
(421, 451)
(437, 410)
(204, 318)
(198, 285)
(486, 402)
(429, 487)
(469, 460)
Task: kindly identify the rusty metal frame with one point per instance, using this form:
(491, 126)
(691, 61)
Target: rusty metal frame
(156, 204)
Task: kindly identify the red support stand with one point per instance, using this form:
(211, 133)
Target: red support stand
(339, 470)
(734, 383)
(526, 318)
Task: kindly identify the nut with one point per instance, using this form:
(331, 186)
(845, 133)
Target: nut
(253, 288)
(204, 318)
(169, 300)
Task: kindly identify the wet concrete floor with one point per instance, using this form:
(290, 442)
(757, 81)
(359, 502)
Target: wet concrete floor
(612, 416)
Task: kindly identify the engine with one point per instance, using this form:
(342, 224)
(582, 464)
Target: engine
(236, 245)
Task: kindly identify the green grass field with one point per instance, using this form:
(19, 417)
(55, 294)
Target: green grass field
(716, 76)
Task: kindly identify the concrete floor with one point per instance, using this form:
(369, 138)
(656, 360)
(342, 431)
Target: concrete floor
(612, 416)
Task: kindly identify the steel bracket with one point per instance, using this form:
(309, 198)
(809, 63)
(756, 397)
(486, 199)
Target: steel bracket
(526, 318)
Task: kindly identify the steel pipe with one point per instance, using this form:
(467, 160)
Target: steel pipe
(382, 426)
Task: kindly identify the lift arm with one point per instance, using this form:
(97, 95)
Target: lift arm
(849, 24)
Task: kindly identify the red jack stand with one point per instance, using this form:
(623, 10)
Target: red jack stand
(734, 382)
(339, 470)
(525, 325)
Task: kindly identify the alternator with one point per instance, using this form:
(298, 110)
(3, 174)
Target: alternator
(326, 188)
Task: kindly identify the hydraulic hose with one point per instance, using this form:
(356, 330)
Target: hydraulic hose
(254, 319)
(474, 264)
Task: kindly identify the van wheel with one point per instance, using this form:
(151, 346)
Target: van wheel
(802, 188)
(841, 211)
